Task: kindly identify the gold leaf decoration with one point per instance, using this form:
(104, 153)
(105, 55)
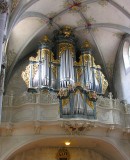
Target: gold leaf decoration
(103, 2)
(90, 103)
(65, 102)
(14, 4)
(90, 20)
(26, 75)
(65, 46)
(76, 6)
(63, 154)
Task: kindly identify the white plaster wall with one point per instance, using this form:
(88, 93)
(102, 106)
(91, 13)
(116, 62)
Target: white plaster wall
(16, 85)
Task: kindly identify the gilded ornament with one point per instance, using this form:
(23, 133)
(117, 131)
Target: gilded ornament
(77, 128)
(67, 30)
(90, 103)
(92, 95)
(76, 6)
(35, 69)
(86, 44)
(79, 73)
(63, 154)
(84, 58)
(32, 59)
(98, 67)
(97, 75)
(77, 63)
(26, 75)
(104, 85)
(70, 87)
(65, 46)
(56, 61)
(62, 93)
(45, 38)
(65, 102)
(54, 70)
(77, 84)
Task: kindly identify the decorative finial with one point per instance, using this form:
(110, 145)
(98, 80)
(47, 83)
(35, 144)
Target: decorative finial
(86, 44)
(45, 39)
(98, 67)
(67, 30)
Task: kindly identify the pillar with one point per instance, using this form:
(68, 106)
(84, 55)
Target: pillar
(3, 18)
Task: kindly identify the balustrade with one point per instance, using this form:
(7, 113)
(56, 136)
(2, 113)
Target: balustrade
(45, 106)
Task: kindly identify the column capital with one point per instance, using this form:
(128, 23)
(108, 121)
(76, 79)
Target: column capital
(3, 6)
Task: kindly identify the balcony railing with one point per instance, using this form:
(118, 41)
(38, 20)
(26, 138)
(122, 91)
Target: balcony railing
(45, 106)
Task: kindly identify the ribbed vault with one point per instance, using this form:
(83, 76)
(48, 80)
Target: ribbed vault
(101, 22)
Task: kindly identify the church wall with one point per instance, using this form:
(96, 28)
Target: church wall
(121, 77)
(16, 85)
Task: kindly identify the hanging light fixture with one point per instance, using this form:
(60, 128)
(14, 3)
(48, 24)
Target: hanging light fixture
(67, 143)
(56, 68)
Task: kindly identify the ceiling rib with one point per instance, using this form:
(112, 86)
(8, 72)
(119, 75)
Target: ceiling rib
(106, 25)
(89, 1)
(33, 14)
(16, 16)
(119, 8)
(88, 27)
(60, 13)
(38, 15)
(65, 10)
(20, 16)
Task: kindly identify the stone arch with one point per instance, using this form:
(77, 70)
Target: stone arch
(102, 143)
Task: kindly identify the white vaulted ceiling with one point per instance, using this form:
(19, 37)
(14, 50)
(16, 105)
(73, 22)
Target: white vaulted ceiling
(99, 21)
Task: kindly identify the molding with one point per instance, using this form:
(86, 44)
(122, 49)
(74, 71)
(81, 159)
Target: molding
(127, 14)
(105, 25)
(23, 141)
(20, 10)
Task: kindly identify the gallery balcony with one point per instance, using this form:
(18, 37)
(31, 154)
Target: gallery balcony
(45, 107)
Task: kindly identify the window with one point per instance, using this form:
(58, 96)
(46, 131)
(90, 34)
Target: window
(126, 56)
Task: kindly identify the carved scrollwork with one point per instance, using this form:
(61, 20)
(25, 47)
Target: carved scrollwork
(65, 46)
(75, 128)
(25, 75)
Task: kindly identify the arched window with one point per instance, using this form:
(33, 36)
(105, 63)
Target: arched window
(126, 56)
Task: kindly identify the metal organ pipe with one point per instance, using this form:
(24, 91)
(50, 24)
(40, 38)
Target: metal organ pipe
(66, 69)
(47, 72)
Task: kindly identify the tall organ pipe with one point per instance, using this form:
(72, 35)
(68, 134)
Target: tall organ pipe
(66, 69)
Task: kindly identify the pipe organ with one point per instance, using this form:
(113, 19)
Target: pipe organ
(57, 69)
